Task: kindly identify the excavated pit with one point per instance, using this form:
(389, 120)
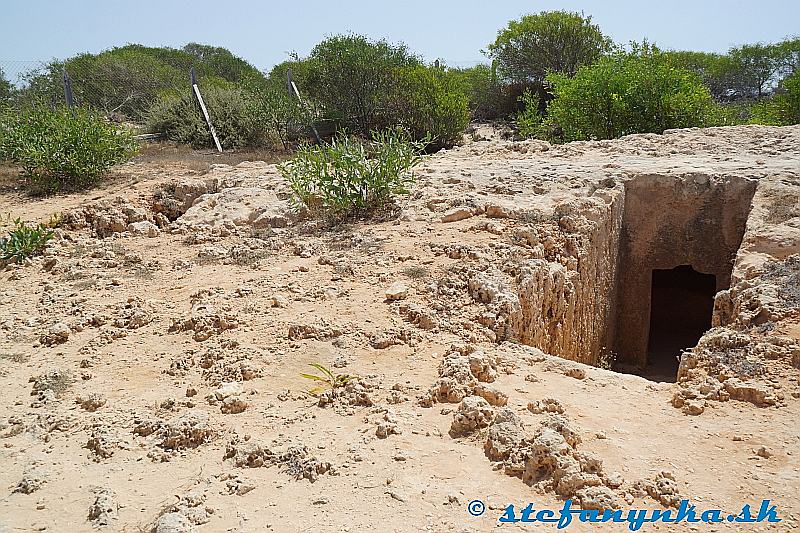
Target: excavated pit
(678, 242)
(655, 253)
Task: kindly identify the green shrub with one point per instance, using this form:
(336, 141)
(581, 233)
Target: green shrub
(6, 89)
(530, 48)
(63, 147)
(732, 113)
(348, 178)
(429, 105)
(231, 112)
(487, 98)
(352, 79)
(128, 80)
(625, 93)
(780, 109)
(281, 116)
(766, 112)
(362, 86)
(788, 102)
(24, 241)
(530, 121)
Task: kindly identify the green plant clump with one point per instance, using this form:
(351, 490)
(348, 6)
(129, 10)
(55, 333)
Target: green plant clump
(125, 81)
(24, 241)
(428, 103)
(328, 380)
(63, 148)
(529, 121)
(625, 93)
(350, 178)
(353, 77)
(231, 112)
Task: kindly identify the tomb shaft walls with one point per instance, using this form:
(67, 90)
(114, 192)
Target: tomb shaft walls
(668, 221)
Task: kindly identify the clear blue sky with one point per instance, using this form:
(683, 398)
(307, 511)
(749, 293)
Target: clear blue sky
(263, 32)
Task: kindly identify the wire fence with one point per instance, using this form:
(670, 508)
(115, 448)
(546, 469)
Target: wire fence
(125, 87)
(115, 89)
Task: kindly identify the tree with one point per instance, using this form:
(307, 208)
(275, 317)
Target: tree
(625, 93)
(789, 56)
(716, 70)
(127, 80)
(530, 48)
(6, 89)
(352, 77)
(756, 69)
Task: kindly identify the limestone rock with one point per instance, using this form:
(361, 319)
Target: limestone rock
(473, 413)
(57, 334)
(456, 214)
(397, 291)
(105, 508)
(32, 480)
(143, 228)
(505, 434)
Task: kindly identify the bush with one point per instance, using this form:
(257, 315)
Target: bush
(363, 86)
(530, 48)
(352, 79)
(487, 98)
(6, 89)
(429, 105)
(128, 80)
(717, 71)
(231, 111)
(637, 92)
(347, 178)
(280, 115)
(64, 147)
(24, 241)
(748, 72)
(530, 121)
(788, 102)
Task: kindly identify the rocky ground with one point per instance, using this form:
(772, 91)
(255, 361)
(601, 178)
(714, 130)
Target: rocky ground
(151, 360)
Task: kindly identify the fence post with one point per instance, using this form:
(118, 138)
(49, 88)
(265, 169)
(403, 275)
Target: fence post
(192, 79)
(289, 82)
(67, 89)
(196, 92)
(294, 92)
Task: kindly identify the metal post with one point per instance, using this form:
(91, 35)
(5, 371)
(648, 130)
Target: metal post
(68, 89)
(292, 88)
(199, 97)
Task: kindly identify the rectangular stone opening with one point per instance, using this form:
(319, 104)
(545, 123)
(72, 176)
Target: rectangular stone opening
(656, 256)
(677, 245)
(681, 305)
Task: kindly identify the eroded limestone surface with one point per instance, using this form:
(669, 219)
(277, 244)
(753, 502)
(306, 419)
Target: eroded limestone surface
(157, 346)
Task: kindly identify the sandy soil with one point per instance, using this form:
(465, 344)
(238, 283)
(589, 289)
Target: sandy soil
(150, 361)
